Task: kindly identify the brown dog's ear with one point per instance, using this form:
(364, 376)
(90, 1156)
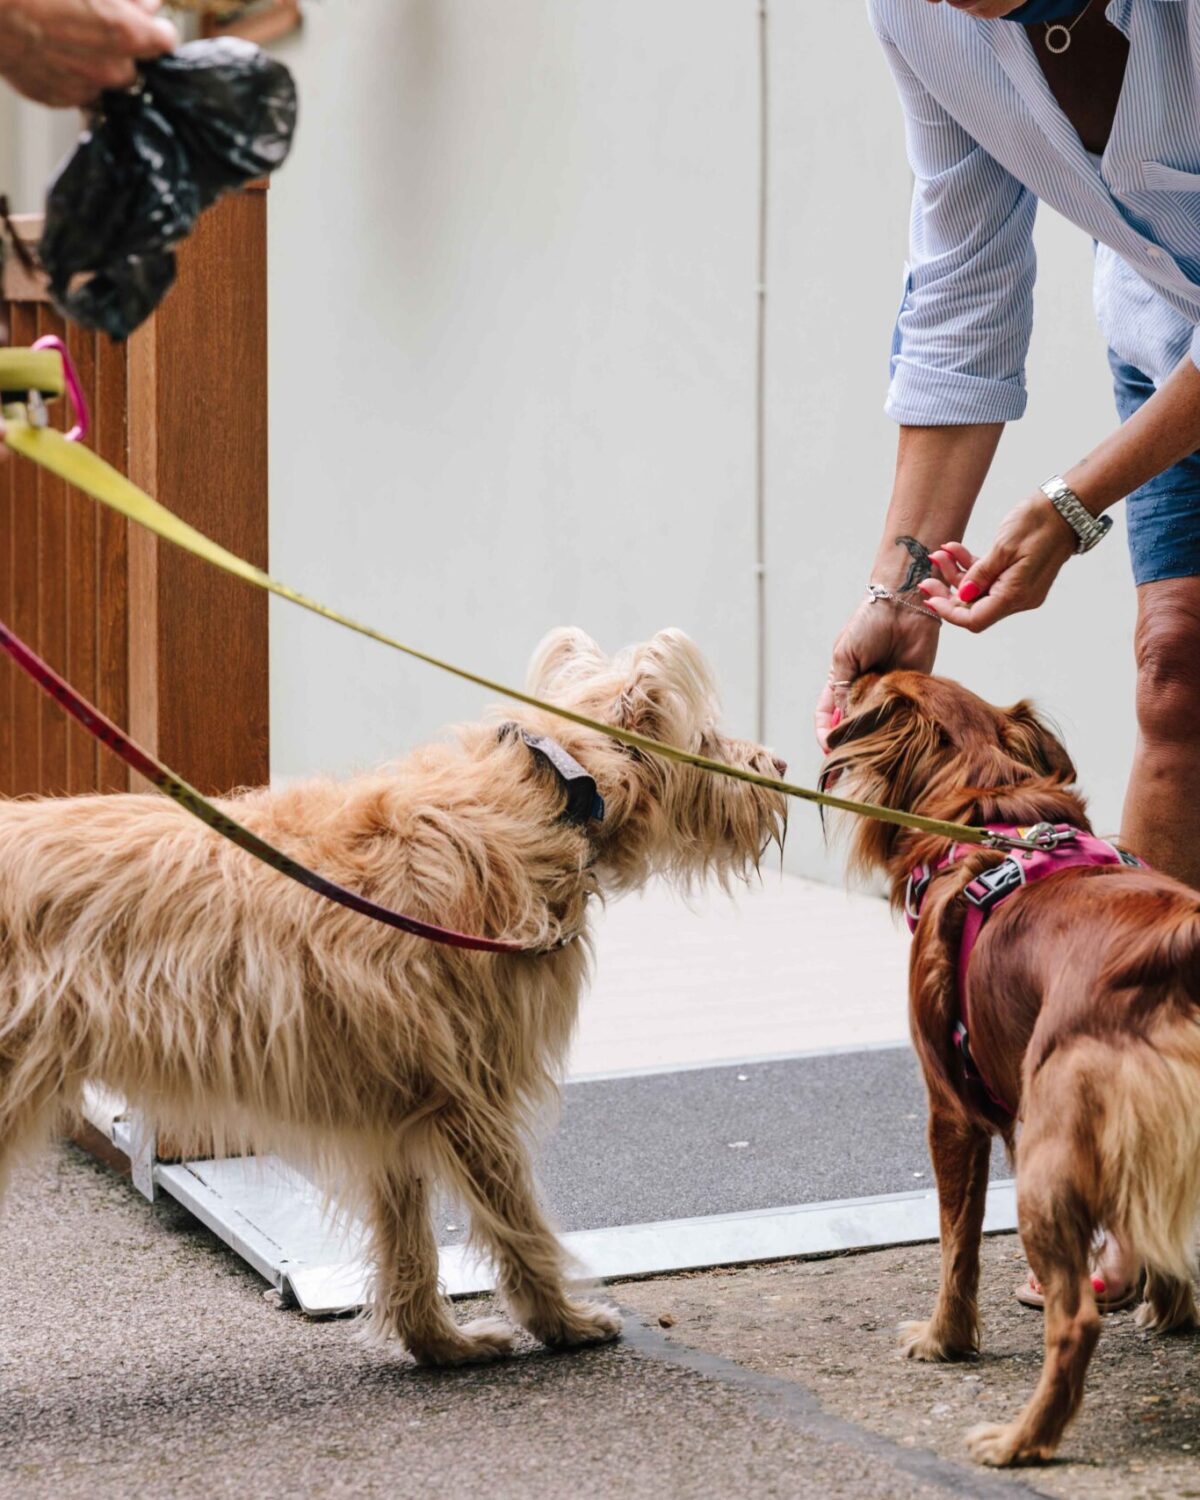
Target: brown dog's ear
(870, 721)
(887, 754)
(1030, 740)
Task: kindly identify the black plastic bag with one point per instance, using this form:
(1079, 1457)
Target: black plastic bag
(207, 118)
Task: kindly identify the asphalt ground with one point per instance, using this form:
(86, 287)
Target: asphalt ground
(138, 1357)
(733, 1139)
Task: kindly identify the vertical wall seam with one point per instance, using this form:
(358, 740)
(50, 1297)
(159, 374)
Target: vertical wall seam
(760, 395)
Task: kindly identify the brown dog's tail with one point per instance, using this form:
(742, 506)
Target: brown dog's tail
(1163, 956)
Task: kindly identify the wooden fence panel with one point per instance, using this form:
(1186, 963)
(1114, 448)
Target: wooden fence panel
(171, 650)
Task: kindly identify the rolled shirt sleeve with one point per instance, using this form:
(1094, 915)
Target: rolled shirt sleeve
(962, 333)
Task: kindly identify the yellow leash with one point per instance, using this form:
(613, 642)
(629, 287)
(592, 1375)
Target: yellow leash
(79, 466)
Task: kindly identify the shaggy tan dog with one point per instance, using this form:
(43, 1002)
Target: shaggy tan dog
(140, 950)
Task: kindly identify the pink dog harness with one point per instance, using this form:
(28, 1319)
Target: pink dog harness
(1048, 848)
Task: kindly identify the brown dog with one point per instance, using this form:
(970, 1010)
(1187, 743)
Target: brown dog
(140, 950)
(1084, 996)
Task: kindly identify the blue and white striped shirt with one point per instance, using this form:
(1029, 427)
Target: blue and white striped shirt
(986, 142)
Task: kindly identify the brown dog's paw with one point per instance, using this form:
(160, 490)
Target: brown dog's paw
(476, 1343)
(918, 1341)
(583, 1323)
(997, 1445)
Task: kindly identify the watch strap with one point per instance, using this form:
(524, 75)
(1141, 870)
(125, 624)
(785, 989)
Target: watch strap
(1088, 529)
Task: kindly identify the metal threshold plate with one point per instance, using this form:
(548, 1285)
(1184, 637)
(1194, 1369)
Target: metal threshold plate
(273, 1218)
(646, 1173)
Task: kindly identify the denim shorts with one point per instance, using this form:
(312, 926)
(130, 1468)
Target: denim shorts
(1163, 517)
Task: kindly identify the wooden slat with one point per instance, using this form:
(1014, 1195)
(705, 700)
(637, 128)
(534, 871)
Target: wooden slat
(112, 561)
(52, 593)
(210, 433)
(27, 709)
(81, 566)
(142, 428)
(8, 783)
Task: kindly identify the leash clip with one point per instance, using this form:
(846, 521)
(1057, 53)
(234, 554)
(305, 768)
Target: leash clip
(1042, 837)
(79, 407)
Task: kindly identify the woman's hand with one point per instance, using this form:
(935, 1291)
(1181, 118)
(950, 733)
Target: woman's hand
(66, 52)
(939, 471)
(1031, 546)
(878, 638)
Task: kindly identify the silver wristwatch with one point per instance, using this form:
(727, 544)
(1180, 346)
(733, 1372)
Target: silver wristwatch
(1088, 529)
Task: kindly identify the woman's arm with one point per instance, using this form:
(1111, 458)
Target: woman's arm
(939, 473)
(1034, 541)
(957, 370)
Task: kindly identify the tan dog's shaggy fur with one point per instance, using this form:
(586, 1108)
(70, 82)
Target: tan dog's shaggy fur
(140, 950)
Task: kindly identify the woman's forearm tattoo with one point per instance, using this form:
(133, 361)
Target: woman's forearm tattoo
(919, 568)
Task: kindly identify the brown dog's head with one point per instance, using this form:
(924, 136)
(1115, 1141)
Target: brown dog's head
(926, 745)
(662, 817)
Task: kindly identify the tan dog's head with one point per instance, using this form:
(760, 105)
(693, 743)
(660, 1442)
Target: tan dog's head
(926, 745)
(662, 817)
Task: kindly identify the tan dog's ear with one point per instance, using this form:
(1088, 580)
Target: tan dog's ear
(669, 693)
(1030, 740)
(564, 655)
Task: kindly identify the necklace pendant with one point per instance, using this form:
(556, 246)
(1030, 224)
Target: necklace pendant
(1058, 38)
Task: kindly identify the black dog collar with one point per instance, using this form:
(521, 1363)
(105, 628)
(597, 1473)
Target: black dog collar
(584, 802)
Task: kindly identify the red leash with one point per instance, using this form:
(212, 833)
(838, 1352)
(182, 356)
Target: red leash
(200, 807)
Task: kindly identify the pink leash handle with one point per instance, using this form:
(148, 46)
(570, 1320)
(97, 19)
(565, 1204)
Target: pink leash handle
(79, 406)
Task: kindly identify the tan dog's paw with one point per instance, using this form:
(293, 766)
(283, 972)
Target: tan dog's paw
(996, 1444)
(1175, 1317)
(476, 1343)
(918, 1341)
(583, 1323)
(1154, 1320)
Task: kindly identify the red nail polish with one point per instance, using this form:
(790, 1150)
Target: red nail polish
(969, 591)
(1099, 1285)
(836, 718)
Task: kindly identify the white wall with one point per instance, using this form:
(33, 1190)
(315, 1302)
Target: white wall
(33, 141)
(519, 241)
(512, 272)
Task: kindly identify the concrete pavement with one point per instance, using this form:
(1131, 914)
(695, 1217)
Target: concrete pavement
(139, 1358)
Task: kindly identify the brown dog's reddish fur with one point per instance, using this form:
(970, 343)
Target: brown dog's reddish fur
(1085, 998)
